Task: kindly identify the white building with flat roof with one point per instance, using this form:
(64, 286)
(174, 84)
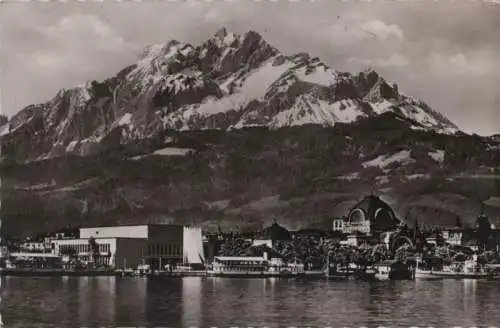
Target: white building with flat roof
(129, 246)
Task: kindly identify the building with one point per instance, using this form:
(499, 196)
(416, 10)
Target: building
(454, 236)
(129, 246)
(370, 216)
(272, 234)
(35, 247)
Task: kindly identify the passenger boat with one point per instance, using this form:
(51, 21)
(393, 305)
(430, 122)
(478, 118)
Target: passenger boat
(390, 270)
(253, 267)
(469, 269)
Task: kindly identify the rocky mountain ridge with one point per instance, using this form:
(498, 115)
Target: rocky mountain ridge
(229, 82)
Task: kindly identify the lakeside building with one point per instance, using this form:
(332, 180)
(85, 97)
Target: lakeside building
(370, 220)
(129, 246)
(35, 247)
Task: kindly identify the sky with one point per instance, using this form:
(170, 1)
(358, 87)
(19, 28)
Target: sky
(446, 53)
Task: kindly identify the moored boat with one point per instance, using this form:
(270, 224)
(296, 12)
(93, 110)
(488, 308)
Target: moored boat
(349, 273)
(393, 270)
(422, 272)
(253, 267)
(470, 269)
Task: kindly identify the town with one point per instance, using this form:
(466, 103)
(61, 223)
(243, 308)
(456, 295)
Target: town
(370, 241)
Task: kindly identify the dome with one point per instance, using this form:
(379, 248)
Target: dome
(379, 213)
(277, 232)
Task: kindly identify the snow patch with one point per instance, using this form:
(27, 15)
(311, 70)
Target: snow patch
(180, 82)
(229, 39)
(322, 76)
(170, 151)
(419, 115)
(71, 146)
(418, 176)
(383, 161)
(308, 110)
(254, 88)
(437, 155)
(4, 129)
(349, 177)
(125, 119)
(382, 179)
(381, 106)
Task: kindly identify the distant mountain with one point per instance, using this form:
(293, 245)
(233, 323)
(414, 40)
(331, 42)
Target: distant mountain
(233, 133)
(229, 82)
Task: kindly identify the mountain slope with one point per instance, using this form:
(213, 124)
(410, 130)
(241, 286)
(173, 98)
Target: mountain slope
(300, 176)
(228, 82)
(234, 133)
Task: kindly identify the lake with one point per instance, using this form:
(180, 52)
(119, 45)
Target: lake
(222, 302)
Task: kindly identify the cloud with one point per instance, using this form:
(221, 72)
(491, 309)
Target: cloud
(395, 60)
(354, 28)
(77, 33)
(382, 30)
(473, 63)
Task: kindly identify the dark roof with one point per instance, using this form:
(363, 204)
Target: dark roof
(372, 203)
(277, 232)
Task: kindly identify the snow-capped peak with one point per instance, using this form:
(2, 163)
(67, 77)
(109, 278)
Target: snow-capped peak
(229, 81)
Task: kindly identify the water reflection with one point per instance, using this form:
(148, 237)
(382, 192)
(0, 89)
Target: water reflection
(191, 302)
(202, 302)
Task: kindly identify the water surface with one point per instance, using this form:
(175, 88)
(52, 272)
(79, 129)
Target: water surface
(222, 302)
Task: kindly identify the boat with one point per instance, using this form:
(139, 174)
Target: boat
(127, 272)
(143, 270)
(470, 269)
(254, 267)
(422, 273)
(494, 270)
(393, 270)
(349, 273)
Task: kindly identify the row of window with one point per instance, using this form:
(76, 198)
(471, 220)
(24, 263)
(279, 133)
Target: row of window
(238, 268)
(164, 249)
(84, 248)
(240, 263)
(338, 224)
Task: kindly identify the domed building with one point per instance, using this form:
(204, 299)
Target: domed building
(371, 215)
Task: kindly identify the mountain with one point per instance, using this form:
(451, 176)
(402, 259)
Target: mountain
(234, 133)
(229, 82)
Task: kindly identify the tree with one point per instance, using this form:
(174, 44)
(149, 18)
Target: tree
(439, 239)
(3, 119)
(483, 230)
(94, 249)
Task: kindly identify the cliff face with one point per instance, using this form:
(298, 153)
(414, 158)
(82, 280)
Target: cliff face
(234, 133)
